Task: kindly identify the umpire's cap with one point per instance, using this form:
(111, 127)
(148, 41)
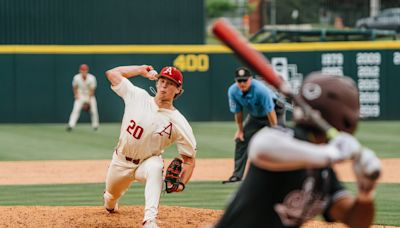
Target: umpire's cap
(335, 97)
(172, 73)
(242, 73)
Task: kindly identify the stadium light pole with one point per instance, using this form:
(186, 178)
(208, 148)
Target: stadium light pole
(374, 7)
(273, 12)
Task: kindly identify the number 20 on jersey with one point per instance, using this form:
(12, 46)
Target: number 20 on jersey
(135, 130)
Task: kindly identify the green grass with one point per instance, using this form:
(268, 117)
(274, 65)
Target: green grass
(52, 142)
(381, 136)
(204, 194)
(215, 140)
(387, 203)
(211, 195)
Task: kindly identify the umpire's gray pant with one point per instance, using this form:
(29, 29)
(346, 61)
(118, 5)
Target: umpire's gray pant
(250, 127)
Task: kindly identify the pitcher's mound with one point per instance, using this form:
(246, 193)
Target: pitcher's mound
(128, 216)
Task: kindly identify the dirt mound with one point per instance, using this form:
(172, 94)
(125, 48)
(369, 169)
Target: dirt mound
(128, 216)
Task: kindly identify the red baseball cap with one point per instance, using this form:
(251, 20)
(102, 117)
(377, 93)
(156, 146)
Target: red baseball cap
(172, 73)
(84, 67)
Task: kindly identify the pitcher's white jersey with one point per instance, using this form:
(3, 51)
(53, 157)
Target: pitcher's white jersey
(146, 129)
(84, 86)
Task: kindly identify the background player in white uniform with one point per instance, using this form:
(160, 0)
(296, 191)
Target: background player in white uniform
(149, 125)
(84, 86)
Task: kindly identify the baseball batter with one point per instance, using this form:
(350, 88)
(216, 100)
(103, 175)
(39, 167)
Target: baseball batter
(84, 86)
(290, 179)
(149, 125)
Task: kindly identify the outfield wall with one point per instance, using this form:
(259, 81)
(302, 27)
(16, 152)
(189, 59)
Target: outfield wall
(36, 80)
(70, 22)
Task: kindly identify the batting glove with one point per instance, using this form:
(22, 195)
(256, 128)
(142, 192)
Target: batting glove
(367, 168)
(347, 147)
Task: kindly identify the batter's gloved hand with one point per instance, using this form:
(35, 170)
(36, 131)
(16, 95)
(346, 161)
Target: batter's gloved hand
(86, 107)
(347, 147)
(367, 168)
(172, 177)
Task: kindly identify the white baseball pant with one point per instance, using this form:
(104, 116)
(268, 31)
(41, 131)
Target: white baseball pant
(122, 173)
(76, 112)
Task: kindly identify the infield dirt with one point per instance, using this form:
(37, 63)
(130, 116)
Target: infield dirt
(94, 171)
(128, 216)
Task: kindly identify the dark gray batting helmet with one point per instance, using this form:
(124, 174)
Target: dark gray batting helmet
(335, 97)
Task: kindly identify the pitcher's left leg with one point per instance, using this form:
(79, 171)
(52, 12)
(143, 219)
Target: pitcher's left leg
(150, 172)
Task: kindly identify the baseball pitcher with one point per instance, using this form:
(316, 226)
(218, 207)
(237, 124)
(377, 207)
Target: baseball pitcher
(149, 125)
(84, 86)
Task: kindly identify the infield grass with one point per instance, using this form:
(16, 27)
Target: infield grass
(215, 140)
(201, 194)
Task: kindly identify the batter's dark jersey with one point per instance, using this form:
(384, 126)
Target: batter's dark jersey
(281, 199)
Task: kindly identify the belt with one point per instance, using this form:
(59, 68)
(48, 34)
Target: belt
(134, 161)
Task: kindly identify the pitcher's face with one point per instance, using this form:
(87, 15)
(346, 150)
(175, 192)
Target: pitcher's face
(166, 89)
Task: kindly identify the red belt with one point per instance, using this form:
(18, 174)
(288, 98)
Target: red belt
(134, 161)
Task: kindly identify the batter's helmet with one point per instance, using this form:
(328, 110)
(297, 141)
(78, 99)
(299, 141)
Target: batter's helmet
(172, 73)
(335, 97)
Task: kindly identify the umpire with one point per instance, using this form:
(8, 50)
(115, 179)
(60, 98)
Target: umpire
(258, 99)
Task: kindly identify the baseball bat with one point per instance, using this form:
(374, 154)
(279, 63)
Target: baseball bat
(257, 61)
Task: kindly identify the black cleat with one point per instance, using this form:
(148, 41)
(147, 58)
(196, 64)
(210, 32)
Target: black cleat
(114, 210)
(232, 179)
(110, 210)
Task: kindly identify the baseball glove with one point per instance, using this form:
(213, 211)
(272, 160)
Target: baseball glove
(172, 176)
(86, 107)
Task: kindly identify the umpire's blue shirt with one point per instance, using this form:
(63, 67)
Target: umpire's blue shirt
(258, 100)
